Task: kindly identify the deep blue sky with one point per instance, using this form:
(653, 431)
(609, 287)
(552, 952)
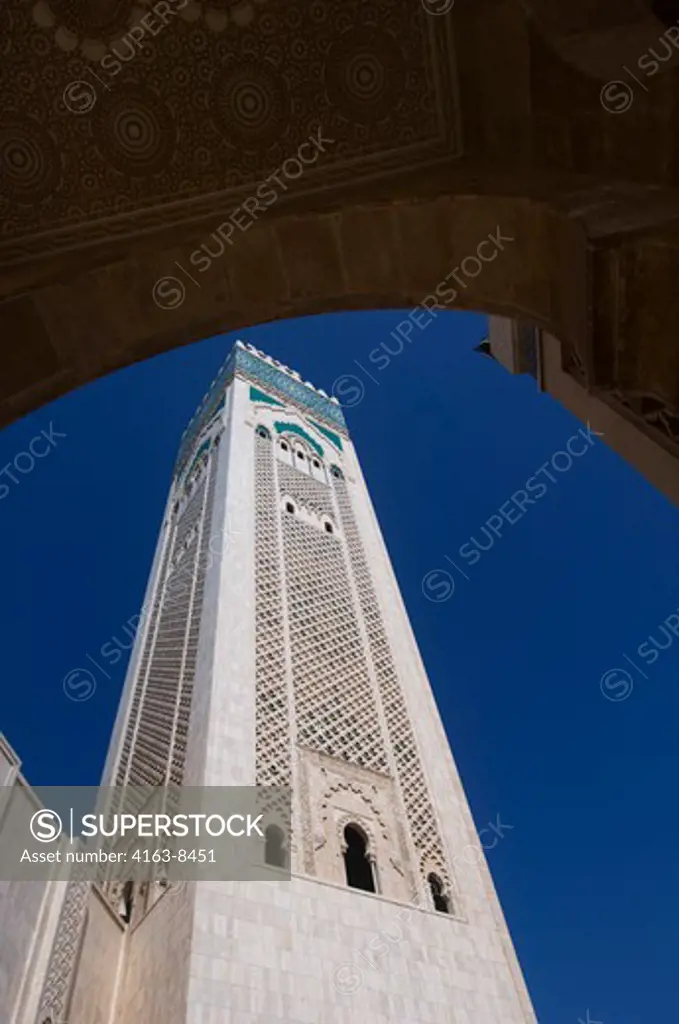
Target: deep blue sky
(588, 874)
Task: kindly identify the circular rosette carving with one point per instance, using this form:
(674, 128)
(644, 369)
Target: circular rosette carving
(250, 106)
(135, 132)
(30, 168)
(6, 29)
(94, 19)
(365, 76)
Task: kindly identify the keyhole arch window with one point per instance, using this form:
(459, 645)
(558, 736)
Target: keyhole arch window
(358, 863)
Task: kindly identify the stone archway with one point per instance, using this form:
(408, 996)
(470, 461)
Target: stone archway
(130, 132)
(379, 255)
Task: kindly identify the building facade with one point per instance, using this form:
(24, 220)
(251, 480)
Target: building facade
(275, 649)
(636, 426)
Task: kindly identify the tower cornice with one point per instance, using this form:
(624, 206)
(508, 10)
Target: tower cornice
(251, 364)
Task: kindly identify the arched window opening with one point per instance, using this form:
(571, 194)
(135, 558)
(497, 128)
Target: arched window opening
(262, 432)
(328, 527)
(274, 846)
(337, 472)
(289, 507)
(284, 446)
(357, 865)
(300, 455)
(437, 894)
(317, 464)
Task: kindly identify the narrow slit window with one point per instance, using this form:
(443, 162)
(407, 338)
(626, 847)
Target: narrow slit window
(438, 896)
(274, 847)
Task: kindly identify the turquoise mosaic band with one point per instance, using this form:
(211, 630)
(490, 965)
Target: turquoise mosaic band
(257, 370)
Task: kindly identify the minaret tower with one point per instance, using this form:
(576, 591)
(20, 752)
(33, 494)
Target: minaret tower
(275, 648)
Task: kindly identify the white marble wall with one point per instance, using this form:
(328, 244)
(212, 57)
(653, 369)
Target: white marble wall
(308, 952)
(154, 978)
(223, 715)
(94, 991)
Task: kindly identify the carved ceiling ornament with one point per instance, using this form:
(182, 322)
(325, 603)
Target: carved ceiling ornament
(92, 25)
(250, 104)
(364, 75)
(135, 131)
(6, 29)
(105, 137)
(29, 160)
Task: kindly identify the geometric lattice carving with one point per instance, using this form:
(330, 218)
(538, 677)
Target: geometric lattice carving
(315, 496)
(64, 953)
(335, 709)
(154, 746)
(652, 409)
(418, 806)
(272, 713)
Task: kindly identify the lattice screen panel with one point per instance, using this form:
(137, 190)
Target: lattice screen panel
(334, 701)
(64, 952)
(272, 713)
(305, 490)
(154, 747)
(128, 736)
(419, 809)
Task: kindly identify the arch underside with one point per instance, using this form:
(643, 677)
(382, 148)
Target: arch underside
(424, 137)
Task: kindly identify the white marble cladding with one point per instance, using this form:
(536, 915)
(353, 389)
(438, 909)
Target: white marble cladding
(307, 952)
(223, 715)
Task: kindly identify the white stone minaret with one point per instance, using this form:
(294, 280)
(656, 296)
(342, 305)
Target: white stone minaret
(275, 648)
